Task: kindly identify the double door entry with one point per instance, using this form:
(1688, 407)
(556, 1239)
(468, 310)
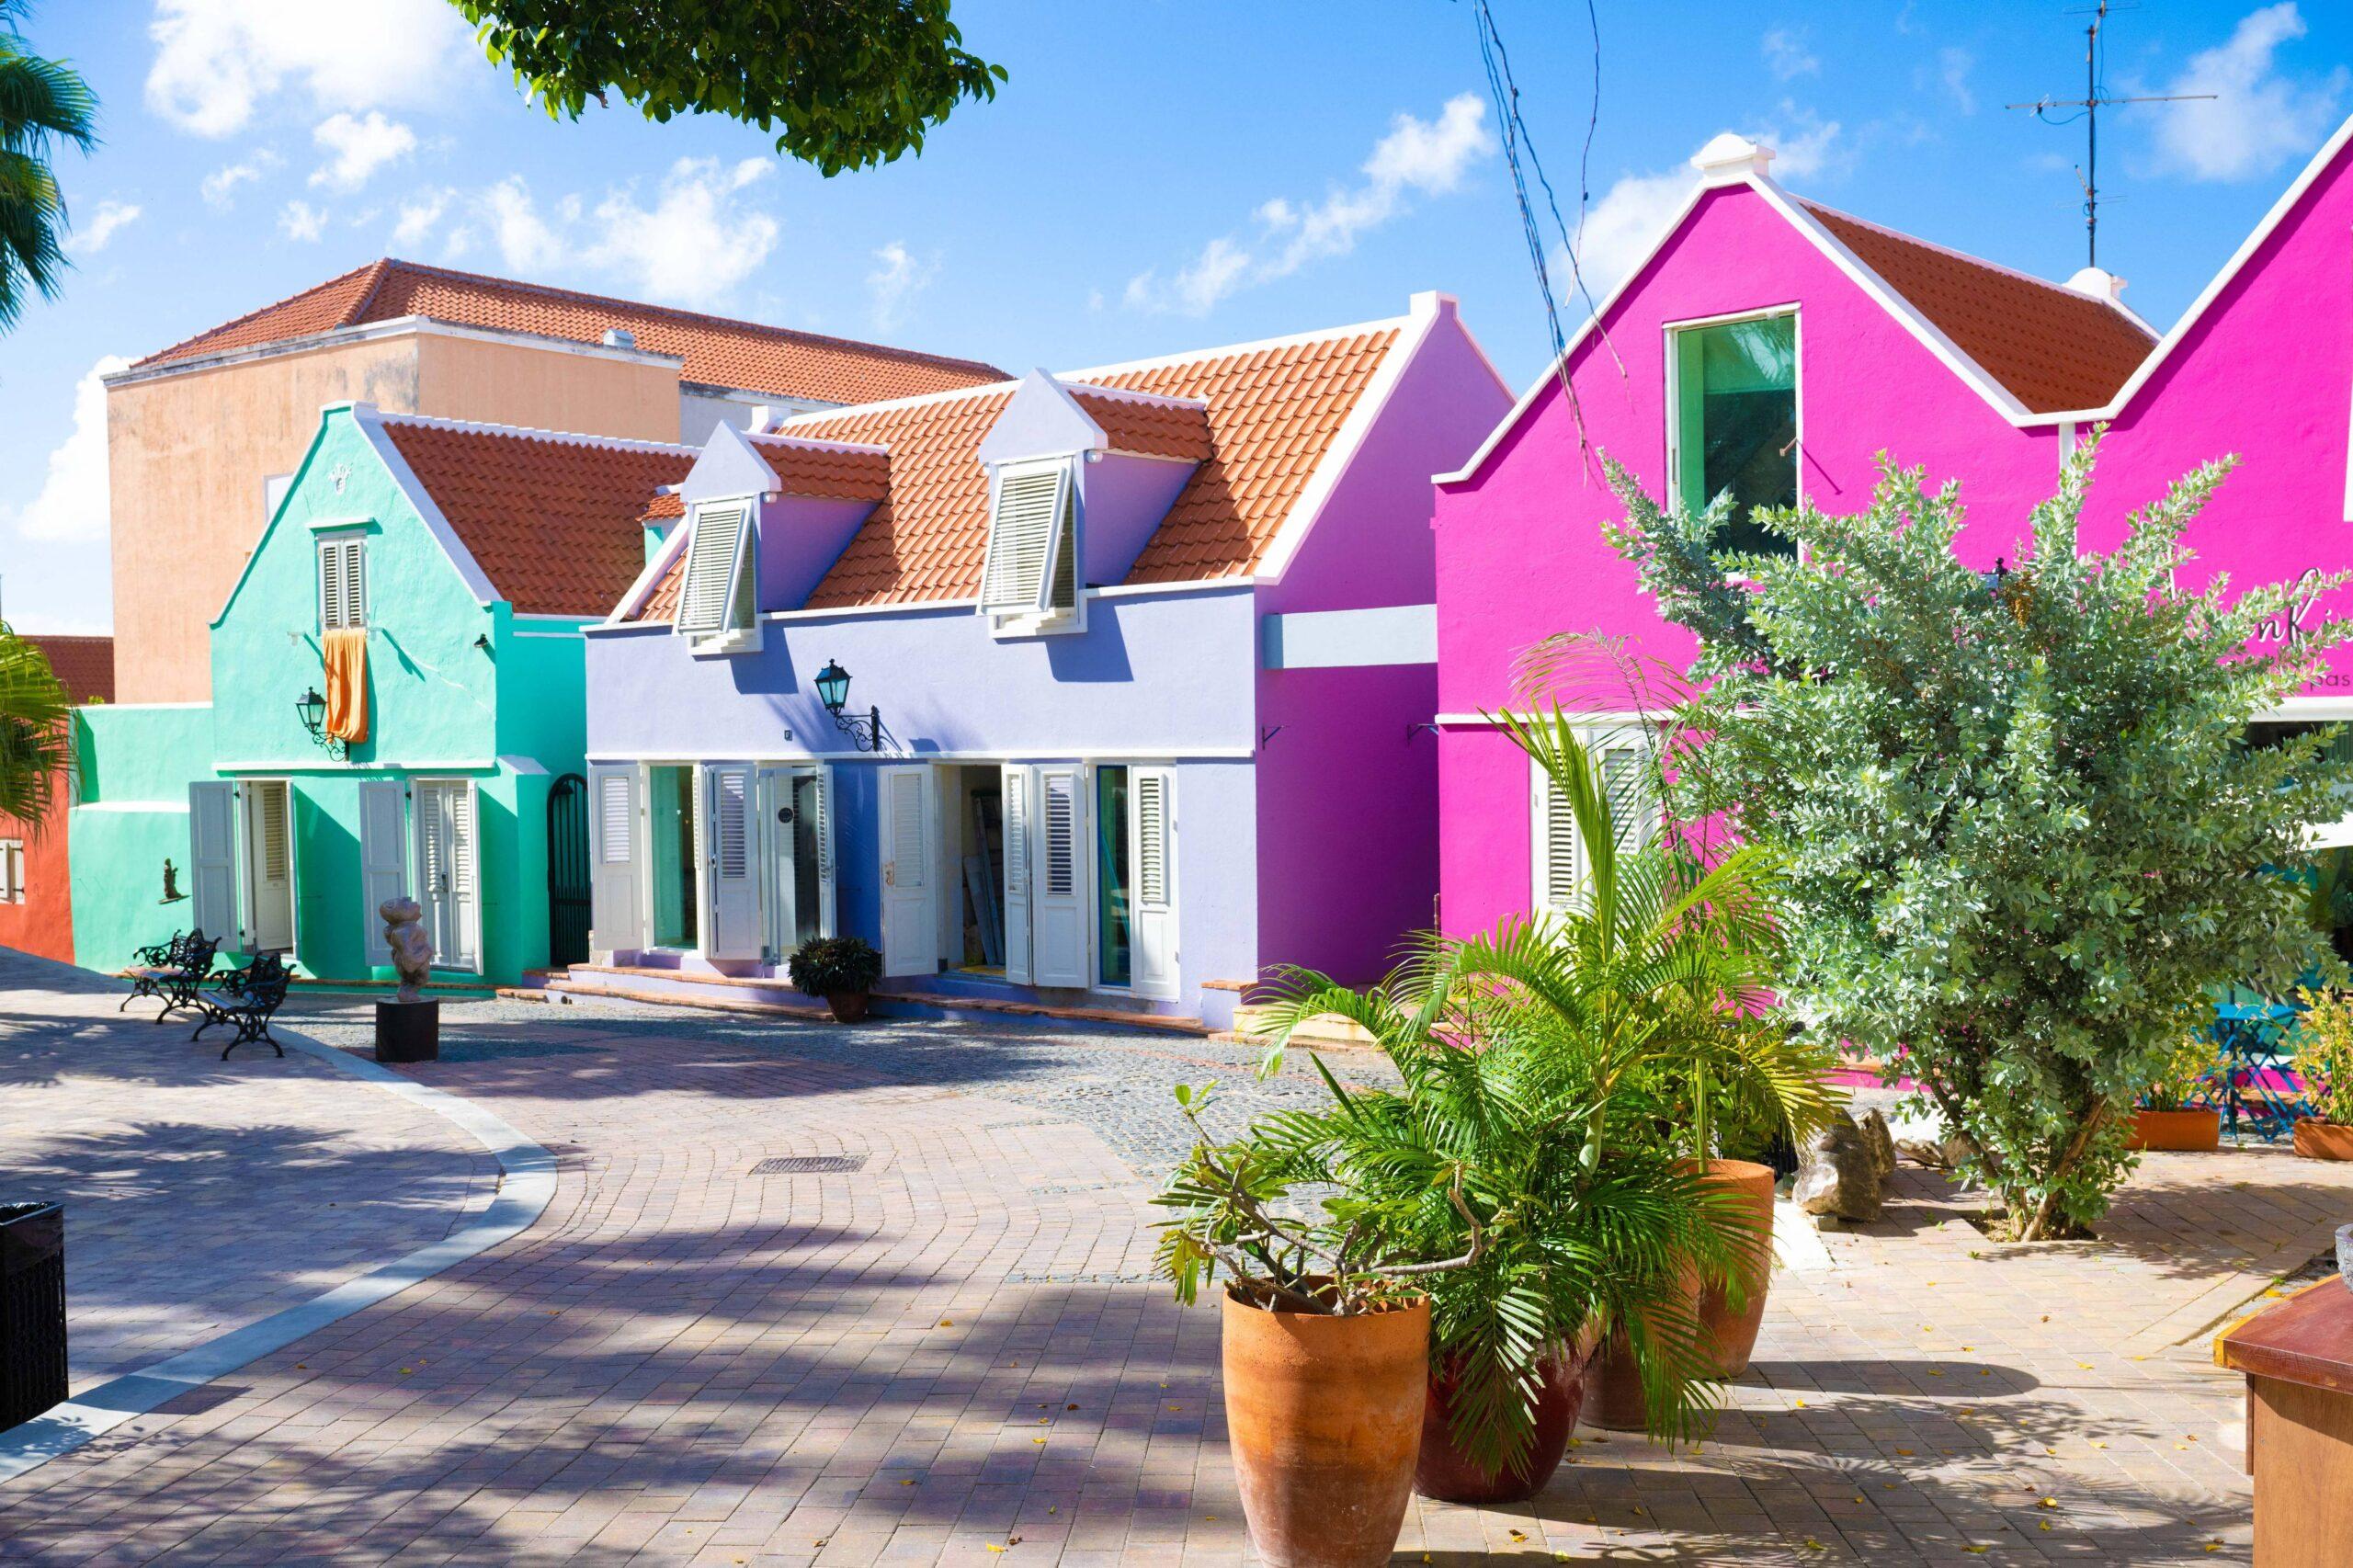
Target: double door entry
(729, 860)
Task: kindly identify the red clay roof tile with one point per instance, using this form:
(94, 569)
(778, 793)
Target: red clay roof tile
(2053, 348)
(552, 520)
(717, 351)
(83, 666)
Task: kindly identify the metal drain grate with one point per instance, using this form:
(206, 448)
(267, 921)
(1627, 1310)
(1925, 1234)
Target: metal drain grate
(809, 1165)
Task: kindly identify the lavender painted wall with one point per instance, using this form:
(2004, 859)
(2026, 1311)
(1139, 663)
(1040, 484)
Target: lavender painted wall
(1520, 549)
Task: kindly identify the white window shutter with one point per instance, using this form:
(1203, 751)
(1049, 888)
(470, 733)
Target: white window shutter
(731, 890)
(1553, 844)
(355, 582)
(709, 598)
(1061, 849)
(1018, 783)
(212, 861)
(1153, 930)
(613, 881)
(1026, 530)
(329, 584)
(826, 856)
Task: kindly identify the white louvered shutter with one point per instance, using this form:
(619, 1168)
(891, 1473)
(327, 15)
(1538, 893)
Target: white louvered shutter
(1018, 784)
(613, 883)
(910, 914)
(1061, 849)
(826, 856)
(343, 582)
(1026, 535)
(1152, 860)
(212, 861)
(733, 886)
(711, 599)
(1553, 846)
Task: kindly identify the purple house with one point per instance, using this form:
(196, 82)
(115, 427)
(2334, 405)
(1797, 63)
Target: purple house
(1104, 689)
(1769, 347)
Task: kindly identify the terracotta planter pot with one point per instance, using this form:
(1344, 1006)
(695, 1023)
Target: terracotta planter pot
(847, 1006)
(2323, 1140)
(1446, 1472)
(1734, 1332)
(2180, 1131)
(1325, 1416)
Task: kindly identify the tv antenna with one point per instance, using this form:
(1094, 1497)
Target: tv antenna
(2094, 98)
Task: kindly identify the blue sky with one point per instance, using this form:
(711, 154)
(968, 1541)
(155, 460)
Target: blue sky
(1155, 176)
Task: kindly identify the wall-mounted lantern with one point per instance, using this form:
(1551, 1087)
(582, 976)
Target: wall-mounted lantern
(312, 708)
(833, 690)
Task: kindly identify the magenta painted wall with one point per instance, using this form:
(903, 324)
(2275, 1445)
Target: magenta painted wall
(1520, 549)
(2263, 373)
(1347, 783)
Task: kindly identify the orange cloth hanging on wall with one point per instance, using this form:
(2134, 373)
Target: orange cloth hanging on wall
(346, 648)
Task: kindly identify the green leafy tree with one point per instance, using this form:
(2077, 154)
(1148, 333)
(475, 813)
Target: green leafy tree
(2026, 834)
(852, 82)
(43, 102)
(35, 745)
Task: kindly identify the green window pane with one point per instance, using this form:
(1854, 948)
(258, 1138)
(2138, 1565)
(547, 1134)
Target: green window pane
(1736, 422)
(1111, 874)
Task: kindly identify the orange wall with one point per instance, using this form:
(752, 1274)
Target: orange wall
(187, 456)
(43, 923)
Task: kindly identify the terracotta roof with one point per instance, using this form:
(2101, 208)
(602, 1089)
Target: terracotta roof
(2053, 348)
(717, 351)
(1153, 426)
(552, 520)
(83, 664)
(824, 469)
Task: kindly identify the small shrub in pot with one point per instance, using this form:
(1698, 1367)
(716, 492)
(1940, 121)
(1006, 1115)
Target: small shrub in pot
(842, 970)
(2323, 1062)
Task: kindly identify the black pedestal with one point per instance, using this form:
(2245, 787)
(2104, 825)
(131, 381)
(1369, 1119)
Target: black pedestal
(408, 1031)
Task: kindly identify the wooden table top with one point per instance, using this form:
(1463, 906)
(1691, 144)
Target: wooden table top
(2308, 1338)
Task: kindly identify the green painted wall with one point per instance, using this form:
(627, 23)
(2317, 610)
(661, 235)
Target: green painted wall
(511, 715)
(132, 815)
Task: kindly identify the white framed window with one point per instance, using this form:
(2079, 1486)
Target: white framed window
(1732, 420)
(343, 580)
(1029, 581)
(717, 598)
(1558, 857)
(12, 870)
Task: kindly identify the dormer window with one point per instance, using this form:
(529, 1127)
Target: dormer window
(716, 602)
(1030, 583)
(343, 581)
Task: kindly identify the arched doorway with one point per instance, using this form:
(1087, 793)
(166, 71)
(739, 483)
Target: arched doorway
(568, 872)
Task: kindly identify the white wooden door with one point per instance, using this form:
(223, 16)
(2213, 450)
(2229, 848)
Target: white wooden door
(448, 871)
(212, 861)
(384, 860)
(828, 856)
(616, 911)
(731, 863)
(910, 911)
(1152, 881)
(269, 864)
(1020, 788)
(779, 892)
(1062, 872)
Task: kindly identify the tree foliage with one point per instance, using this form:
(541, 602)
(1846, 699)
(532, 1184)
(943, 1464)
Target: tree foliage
(35, 745)
(852, 83)
(2026, 834)
(43, 102)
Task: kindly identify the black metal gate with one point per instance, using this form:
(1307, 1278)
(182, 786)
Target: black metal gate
(568, 872)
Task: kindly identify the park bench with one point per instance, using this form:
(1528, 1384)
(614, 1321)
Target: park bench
(243, 999)
(173, 971)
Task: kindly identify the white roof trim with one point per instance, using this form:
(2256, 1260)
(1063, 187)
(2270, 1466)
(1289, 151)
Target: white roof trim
(366, 332)
(1128, 394)
(1930, 336)
(532, 433)
(2288, 200)
(370, 425)
(809, 444)
(634, 600)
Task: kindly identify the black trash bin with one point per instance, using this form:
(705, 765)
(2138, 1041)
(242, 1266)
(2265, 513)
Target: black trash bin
(32, 1311)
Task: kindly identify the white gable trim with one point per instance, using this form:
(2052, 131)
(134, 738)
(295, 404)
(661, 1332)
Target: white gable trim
(634, 600)
(370, 425)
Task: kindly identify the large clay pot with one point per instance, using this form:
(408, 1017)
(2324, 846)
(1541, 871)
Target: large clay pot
(1324, 1416)
(847, 1006)
(2323, 1140)
(1734, 1332)
(1446, 1472)
(2181, 1131)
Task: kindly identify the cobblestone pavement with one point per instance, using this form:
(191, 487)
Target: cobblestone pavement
(203, 1193)
(953, 1352)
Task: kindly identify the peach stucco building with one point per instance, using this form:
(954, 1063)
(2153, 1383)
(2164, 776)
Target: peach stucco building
(219, 421)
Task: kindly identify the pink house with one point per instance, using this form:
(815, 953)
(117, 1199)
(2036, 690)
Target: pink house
(1771, 346)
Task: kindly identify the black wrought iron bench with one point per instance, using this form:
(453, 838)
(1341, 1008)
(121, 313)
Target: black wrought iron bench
(174, 971)
(243, 999)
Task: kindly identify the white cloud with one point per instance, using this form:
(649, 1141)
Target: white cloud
(110, 216)
(1417, 157)
(2258, 118)
(1810, 147)
(526, 242)
(697, 242)
(301, 221)
(419, 216)
(1953, 66)
(217, 60)
(1787, 56)
(898, 276)
(359, 147)
(71, 503)
(219, 187)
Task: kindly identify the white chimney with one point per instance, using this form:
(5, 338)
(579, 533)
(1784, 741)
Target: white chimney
(620, 337)
(1730, 159)
(2100, 283)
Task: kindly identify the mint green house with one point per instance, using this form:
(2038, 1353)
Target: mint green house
(469, 557)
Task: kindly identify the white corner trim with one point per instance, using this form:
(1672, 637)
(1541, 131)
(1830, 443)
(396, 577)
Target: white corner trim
(370, 425)
(527, 1183)
(1188, 586)
(522, 767)
(143, 806)
(1346, 639)
(656, 567)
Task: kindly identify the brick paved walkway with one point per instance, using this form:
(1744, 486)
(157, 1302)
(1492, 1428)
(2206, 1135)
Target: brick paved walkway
(954, 1348)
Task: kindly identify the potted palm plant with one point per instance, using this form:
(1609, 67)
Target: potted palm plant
(2323, 1061)
(842, 970)
(2165, 1119)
